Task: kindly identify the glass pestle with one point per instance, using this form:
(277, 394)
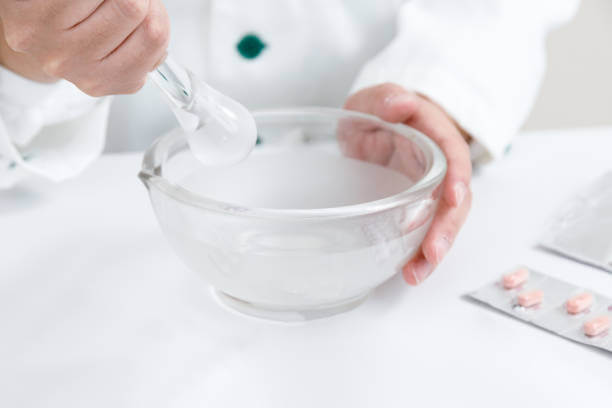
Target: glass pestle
(218, 129)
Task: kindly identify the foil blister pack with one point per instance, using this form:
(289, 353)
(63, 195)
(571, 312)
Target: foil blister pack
(582, 228)
(573, 312)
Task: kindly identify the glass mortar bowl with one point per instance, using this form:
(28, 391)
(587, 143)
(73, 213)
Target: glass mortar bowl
(329, 205)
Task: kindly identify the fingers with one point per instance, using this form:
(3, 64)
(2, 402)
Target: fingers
(444, 229)
(102, 46)
(32, 25)
(417, 270)
(390, 102)
(365, 140)
(456, 197)
(64, 14)
(408, 158)
(459, 172)
(141, 52)
(106, 29)
(438, 241)
(435, 123)
(393, 103)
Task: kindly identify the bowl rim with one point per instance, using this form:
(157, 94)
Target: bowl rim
(154, 157)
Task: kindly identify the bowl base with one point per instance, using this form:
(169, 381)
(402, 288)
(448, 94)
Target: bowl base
(288, 314)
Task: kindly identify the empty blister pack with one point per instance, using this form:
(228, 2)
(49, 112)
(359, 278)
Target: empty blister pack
(582, 228)
(576, 313)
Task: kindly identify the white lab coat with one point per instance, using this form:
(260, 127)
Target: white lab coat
(481, 60)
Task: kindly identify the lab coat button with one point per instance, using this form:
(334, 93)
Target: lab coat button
(250, 46)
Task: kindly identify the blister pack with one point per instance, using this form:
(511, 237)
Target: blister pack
(576, 313)
(582, 228)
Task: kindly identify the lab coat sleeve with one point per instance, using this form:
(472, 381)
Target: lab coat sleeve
(481, 60)
(52, 131)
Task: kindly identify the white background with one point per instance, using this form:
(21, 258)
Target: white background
(97, 311)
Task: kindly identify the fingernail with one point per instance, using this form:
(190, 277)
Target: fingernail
(421, 270)
(460, 191)
(441, 247)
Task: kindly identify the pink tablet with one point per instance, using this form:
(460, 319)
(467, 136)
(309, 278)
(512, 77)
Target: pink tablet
(530, 298)
(596, 326)
(516, 278)
(579, 303)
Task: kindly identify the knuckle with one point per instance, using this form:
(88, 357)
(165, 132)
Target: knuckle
(57, 67)
(133, 9)
(157, 31)
(20, 40)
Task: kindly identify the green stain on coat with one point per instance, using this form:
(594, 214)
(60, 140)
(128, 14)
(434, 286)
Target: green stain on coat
(250, 46)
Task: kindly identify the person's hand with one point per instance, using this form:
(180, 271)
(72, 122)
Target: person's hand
(102, 46)
(393, 103)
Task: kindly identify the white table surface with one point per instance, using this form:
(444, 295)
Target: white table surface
(97, 311)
